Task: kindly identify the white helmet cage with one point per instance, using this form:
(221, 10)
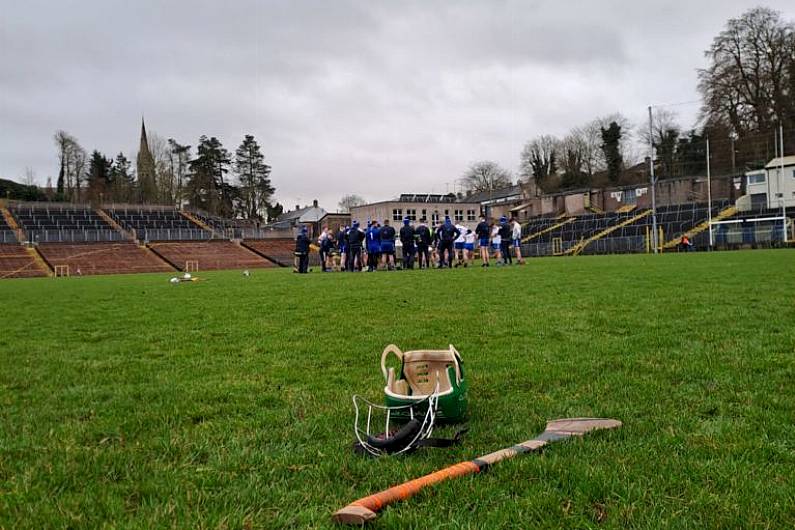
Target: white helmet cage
(397, 437)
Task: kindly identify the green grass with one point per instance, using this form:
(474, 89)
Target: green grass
(126, 402)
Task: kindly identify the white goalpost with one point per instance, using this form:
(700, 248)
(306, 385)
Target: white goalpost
(764, 230)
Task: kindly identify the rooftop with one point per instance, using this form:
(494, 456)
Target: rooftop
(777, 162)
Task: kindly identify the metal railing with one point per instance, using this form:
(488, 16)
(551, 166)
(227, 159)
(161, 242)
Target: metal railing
(173, 234)
(8, 236)
(73, 236)
(264, 233)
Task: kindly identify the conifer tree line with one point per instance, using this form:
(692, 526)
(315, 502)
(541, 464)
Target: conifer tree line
(167, 172)
(747, 91)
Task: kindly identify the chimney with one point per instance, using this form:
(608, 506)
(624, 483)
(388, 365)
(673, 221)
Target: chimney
(297, 206)
(314, 203)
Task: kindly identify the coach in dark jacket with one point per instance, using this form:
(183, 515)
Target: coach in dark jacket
(448, 233)
(302, 251)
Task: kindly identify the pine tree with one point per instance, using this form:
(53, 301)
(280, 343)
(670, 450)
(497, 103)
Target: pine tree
(206, 186)
(254, 177)
(123, 179)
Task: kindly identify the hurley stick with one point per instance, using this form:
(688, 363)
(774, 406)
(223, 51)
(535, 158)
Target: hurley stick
(363, 510)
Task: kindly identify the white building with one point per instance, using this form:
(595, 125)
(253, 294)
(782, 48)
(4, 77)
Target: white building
(768, 187)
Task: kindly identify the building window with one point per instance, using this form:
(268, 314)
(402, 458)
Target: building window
(630, 197)
(435, 217)
(759, 178)
(459, 215)
(397, 214)
(423, 216)
(447, 213)
(411, 213)
(470, 215)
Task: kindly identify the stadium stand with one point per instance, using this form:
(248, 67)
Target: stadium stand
(210, 255)
(166, 224)
(7, 234)
(18, 262)
(46, 223)
(674, 220)
(123, 257)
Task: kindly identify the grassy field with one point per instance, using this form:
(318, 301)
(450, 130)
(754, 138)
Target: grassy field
(127, 402)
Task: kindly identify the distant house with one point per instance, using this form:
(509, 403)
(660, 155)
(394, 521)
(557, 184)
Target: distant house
(308, 216)
(768, 187)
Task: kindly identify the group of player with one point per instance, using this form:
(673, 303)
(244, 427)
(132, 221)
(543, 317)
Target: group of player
(355, 248)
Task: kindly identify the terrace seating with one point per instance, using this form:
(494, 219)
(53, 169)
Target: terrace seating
(56, 223)
(102, 258)
(7, 234)
(673, 219)
(16, 262)
(58, 218)
(210, 255)
(158, 225)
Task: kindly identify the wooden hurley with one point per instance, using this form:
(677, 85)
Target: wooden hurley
(365, 509)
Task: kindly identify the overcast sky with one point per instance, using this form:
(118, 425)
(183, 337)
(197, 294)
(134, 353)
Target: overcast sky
(373, 98)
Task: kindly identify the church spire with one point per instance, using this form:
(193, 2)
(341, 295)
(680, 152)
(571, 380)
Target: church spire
(146, 169)
(144, 141)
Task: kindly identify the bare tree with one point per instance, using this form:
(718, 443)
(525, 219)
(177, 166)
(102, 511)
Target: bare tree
(745, 87)
(664, 135)
(29, 178)
(78, 158)
(178, 159)
(165, 179)
(573, 152)
(485, 175)
(349, 201)
(538, 161)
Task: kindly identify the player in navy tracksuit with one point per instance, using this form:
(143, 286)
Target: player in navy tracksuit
(407, 240)
(342, 242)
(355, 239)
(373, 246)
(505, 245)
(422, 235)
(388, 245)
(302, 251)
(482, 233)
(447, 234)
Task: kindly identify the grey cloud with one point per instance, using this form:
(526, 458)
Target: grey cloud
(347, 96)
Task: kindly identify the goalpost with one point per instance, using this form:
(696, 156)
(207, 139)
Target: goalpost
(735, 231)
(61, 271)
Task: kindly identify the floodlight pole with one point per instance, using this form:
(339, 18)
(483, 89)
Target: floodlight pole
(709, 196)
(654, 235)
(781, 180)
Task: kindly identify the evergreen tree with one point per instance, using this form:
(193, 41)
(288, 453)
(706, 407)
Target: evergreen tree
(206, 186)
(254, 177)
(98, 178)
(123, 179)
(274, 211)
(611, 147)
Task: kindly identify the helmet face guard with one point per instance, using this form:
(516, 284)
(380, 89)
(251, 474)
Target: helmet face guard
(398, 436)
